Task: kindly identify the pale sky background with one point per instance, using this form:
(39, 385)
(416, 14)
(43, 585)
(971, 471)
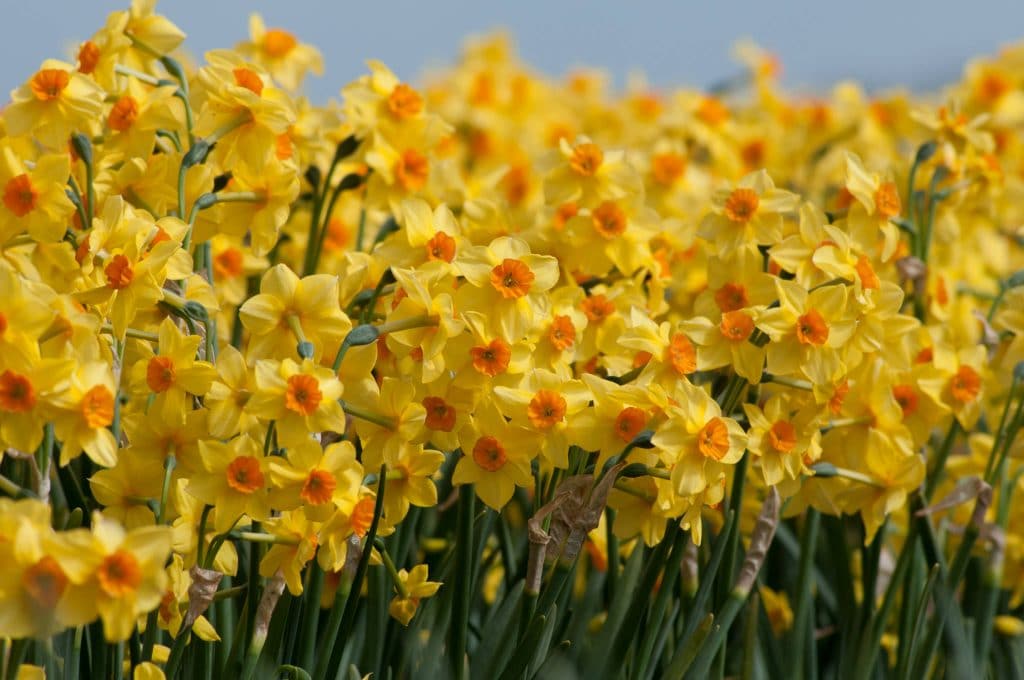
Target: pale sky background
(881, 43)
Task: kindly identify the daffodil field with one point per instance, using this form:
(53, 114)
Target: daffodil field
(501, 376)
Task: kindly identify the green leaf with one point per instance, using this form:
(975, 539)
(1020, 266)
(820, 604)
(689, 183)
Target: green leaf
(687, 652)
(495, 645)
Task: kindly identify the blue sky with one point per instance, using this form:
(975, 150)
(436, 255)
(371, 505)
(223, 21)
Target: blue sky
(882, 43)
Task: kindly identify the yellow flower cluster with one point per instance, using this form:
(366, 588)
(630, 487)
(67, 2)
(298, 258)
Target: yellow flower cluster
(254, 316)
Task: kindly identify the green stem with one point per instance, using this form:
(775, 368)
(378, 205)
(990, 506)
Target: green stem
(803, 616)
(939, 467)
(369, 416)
(389, 564)
(463, 595)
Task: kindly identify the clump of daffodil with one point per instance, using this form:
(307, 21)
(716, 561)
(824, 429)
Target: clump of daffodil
(472, 327)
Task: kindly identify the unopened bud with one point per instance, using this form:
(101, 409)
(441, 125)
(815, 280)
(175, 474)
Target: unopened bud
(364, 334)
(925, 151)
(82, 146)
(197, 154)
(196, 310)
(346, 147)
(350, 181)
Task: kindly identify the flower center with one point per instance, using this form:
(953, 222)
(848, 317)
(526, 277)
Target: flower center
(244, 475)
(489, 454)
(736, 326)
(561, 333)
(168, 606)
(868, 277)
(887, 200)
(782, 436)
(491, 359)
(48, 83)
(667, 168)
(811, 328)
(563, 214)
(512, 278)
(124, 114)
(20, 196)
(713, 439)
(906, 397)
(362, 516)
(303, 394)
(835, 402)
(119, 574)
(609, 219)
(277, 43)
(440, 415)
(546, 409)
(45, 582)
(88, 57)
(965, 385)
(228, 263)
(338, 235)
(160, 374)
(412, 170)
(741, 205)
(597, 308)
(586, 159)
(753, 153)
(119, 272)
(712, 111)
(319, 487)
(992, 87)
(629, 423)
(731, 297)
(248, 79)
(98, 407)
(16, 393)
(440, 247)
(404, 102)
(681, 354)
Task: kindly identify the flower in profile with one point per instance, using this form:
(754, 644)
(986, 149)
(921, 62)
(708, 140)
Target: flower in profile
(241, 109)
(412, 587)
(280, 52)
(295, 544)
(877, 205)
(269, 190)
